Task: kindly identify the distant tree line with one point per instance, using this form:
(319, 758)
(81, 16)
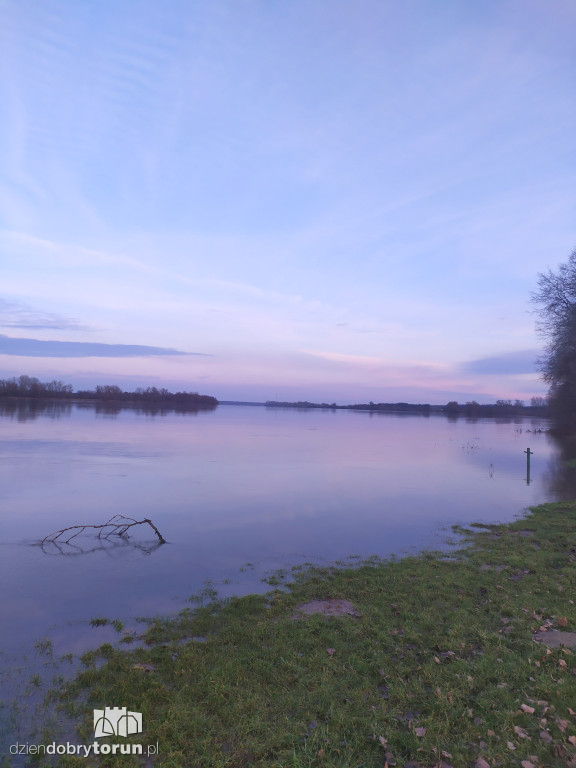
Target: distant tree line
(31, 387)
(147, 395)
(538, 407)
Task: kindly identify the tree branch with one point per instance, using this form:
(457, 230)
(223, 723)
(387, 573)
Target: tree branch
(118, 525)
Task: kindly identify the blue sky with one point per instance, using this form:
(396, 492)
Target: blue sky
(340, 201)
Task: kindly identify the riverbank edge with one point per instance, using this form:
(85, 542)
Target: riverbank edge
(437, 666)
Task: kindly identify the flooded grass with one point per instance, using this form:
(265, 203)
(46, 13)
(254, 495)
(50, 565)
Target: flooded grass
(437, 666)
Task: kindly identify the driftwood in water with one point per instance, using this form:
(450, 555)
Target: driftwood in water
(116, 526)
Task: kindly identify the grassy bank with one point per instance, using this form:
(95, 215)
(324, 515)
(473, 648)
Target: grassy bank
(439, 669)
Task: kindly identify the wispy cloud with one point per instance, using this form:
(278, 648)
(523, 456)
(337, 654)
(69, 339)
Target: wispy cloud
(519, 362)
(18, 315)
(338, 357)
(39, 348)
(66, 253)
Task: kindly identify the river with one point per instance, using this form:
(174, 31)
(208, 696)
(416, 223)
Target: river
(237, 492)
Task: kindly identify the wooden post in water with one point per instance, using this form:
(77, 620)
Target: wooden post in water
(528, 454)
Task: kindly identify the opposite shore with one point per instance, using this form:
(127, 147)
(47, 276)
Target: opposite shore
(32, 389)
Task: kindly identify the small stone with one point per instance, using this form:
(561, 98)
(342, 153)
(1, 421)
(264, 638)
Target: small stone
(145, 667)
(336, 607)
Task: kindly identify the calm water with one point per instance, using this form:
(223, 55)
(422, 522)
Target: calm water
(238, 492)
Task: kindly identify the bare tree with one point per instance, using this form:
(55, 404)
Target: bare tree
(555, 300)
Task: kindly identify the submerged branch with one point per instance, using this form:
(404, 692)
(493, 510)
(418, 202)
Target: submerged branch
(118, 525)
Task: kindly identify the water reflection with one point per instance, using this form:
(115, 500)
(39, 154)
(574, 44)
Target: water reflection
(562, 467)
(106, 546)
(28, 410)
(32, 408)
(149, 409)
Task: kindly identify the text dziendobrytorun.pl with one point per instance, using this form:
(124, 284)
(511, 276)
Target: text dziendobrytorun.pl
(82, 750)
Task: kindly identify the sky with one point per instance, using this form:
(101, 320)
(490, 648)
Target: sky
(284, 199)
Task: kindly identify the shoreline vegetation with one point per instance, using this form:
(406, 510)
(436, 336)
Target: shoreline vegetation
(31, 388)
(434, 665)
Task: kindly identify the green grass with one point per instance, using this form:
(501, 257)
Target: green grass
(118, 624)
(437, 667)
